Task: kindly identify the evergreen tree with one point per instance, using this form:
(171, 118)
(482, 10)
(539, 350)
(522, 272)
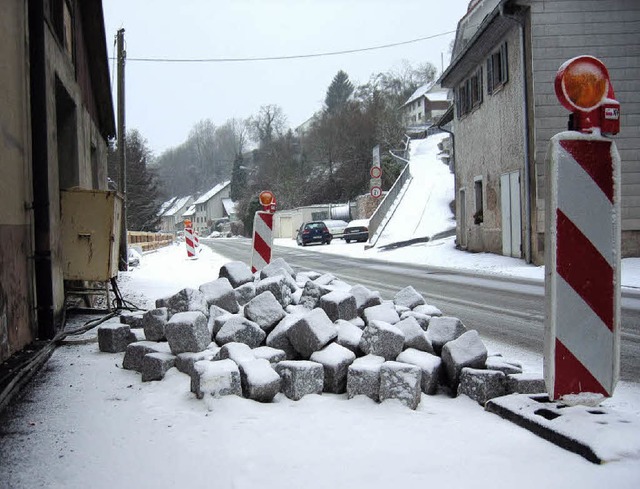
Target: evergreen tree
(338, 92)
(143, 201)
(238, 179)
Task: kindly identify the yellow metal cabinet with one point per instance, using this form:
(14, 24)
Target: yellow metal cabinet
(90, 234)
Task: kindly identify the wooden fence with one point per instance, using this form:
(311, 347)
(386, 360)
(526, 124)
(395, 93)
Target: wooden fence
(149, 241)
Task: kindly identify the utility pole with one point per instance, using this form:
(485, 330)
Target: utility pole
(122, 154)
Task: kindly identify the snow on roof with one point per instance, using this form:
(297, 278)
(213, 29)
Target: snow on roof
(229, 206)
(432, 91)
(166, 205)
(211, 193)
(190, 211)
(178, 204)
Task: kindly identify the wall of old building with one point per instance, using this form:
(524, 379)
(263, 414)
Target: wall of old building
(17, 323)
(490, 142)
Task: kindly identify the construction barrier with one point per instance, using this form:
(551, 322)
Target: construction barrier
(149, 241)
(189, 242)
(582, 237)
(262, 240)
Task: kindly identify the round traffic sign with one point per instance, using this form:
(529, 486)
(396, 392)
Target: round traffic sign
(376, 191)
(375, 172)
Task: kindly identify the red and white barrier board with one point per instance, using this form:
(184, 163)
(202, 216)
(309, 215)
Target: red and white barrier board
(262, 240)
(189, 242)
(582, 336)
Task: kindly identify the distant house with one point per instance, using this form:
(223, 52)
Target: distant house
(209, 207)
(505, 58)
(424, 107)
(171, 215)
(56, 116)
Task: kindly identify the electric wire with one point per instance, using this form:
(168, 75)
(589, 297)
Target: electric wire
(287, 57)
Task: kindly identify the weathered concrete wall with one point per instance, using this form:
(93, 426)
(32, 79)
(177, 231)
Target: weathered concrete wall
(77, 154)
(17, 324)
(490, 142)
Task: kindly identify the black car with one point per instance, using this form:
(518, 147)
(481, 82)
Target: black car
(357, 231)
(313, 232)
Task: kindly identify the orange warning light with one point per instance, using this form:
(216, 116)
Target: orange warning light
(266, 198)
(582, 83)
(187, 223)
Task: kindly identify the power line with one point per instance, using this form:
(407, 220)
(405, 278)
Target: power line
(296, 56)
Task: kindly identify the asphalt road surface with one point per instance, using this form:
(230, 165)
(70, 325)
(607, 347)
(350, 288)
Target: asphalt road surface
(509, 310)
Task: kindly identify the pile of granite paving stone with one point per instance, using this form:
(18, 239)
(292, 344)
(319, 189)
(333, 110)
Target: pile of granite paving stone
(280, 331)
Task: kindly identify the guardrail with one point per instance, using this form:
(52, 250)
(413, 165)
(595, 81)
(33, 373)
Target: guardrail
(149, 241)
(378, 216)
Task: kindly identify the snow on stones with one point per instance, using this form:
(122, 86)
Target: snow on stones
(311, 295)
(154, 322)
(382, 339)
(400, 381)
(429, 364)
(442, 330)
(308, 333)
(264, 310)
(482, 385)
(312, 332)
(237, 273)
(155, 365)
(349, 335)
(339, 305)
(384, 312)
(336, 360)
(260, 382)
(135, 352)
(115, 337)
(216, 379)
(465, 351)
(364, 298)
(187, 331)
(300, 377)
(184, 301)
(409, 298)
(220, 293)
(242, 330)
(363, 377)
(414, 335)
(278, 286)
(279, 337)
(273, 355)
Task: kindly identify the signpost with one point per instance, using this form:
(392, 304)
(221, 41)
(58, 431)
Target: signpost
(375, 185)
(582, 240)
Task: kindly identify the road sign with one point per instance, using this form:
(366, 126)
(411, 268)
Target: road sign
(376, 192)
(375, 172)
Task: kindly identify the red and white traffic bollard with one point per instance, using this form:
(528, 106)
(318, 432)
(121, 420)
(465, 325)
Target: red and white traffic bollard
(263, 232)
(189, 239)
(582, 242)
(196, 240)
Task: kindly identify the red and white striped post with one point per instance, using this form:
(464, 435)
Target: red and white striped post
(263, 232)
(582, 242)
(189, 239)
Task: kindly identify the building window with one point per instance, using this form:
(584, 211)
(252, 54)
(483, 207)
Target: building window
(478, 214)
(469, 93)
(497, 69)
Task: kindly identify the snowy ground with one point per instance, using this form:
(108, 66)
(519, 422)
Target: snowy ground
(89, 423)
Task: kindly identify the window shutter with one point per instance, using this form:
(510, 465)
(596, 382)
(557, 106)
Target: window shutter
(505, 63)
(489, 75)
(480, 85)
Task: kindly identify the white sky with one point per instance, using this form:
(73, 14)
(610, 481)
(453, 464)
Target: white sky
(164, 100)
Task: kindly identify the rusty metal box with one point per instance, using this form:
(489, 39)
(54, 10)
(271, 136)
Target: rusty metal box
(90, 233)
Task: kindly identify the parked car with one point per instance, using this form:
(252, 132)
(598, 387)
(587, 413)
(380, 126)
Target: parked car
(336, 227)
(313, 232)
(357, 230)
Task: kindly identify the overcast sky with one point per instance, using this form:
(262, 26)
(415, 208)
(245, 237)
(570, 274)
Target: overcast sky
(164, 99)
